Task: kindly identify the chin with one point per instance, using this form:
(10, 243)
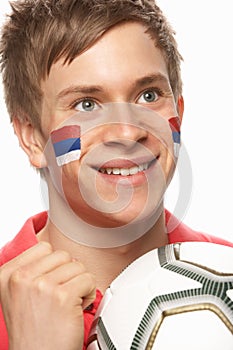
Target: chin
(135, 217)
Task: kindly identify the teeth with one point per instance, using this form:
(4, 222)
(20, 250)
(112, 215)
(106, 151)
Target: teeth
(134, 170)
(141, 168)
(116, 171)
(125, 171)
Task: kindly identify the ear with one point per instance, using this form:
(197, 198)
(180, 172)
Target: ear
(180, 107)
(31, 141)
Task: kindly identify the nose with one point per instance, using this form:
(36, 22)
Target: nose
(124, 135)
(125, 129)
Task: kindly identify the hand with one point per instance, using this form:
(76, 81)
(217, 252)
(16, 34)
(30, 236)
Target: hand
(43, 294)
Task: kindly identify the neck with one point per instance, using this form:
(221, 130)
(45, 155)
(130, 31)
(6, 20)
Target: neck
(106, 263)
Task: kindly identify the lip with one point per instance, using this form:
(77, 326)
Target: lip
(128, 180)
(124, 163)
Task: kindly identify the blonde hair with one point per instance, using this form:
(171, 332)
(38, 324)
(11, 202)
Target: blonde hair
(40, 32)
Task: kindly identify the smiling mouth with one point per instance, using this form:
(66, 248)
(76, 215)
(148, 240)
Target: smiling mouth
(133, 170)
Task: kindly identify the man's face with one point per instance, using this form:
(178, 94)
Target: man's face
(118, 92)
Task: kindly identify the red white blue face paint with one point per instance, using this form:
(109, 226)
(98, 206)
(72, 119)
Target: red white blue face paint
(67, 144)
(174, 123)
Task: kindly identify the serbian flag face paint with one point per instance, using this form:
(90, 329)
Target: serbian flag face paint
(175, 127)
(66, 143)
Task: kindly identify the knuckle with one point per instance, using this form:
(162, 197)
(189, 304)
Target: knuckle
(90, 280)
(44, 288)
(62, 296)
(17, 277)
(40, 284)
(22, 273)
(46, 247)
(63, 255)
(79, 267)
(6, 273)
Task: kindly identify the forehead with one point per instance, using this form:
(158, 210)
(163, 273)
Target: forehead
(124, 53)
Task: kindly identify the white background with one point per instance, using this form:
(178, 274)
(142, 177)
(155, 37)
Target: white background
(204, 33)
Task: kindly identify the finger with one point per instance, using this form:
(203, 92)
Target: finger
(81, 289)
(36, 252)
(47, 263)
(64, 272)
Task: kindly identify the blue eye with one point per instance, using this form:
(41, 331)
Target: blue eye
(86, 106)
(148, 96)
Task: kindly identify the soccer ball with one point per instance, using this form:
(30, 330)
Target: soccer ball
(176, 297)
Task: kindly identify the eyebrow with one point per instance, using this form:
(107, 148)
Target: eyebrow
(74, 89)
(149, 79)
(92, 89)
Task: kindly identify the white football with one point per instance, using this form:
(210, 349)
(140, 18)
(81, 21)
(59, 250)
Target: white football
(176, 297)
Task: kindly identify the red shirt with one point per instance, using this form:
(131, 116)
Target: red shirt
(26, 238)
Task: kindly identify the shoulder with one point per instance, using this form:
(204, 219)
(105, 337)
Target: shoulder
(179, 232)
(24, 239)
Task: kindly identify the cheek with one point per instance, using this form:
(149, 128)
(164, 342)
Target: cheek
(66, 144)
(69, 180)
(73, 189)
(167, 162)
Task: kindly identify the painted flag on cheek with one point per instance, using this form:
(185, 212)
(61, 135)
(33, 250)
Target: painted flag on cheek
(66, 143)
(174, 123)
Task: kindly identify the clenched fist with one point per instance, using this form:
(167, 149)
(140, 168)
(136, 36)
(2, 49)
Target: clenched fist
(43, 294)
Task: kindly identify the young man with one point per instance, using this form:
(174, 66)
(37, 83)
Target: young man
(94, 92)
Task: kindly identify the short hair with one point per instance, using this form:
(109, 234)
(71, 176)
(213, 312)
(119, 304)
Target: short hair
(40, 32)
